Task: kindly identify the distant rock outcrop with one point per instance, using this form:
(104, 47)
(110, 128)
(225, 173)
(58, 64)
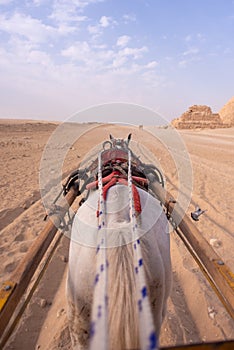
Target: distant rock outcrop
(227, 112)
(199, 117)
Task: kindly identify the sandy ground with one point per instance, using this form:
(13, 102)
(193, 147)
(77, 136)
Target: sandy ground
(195, 313)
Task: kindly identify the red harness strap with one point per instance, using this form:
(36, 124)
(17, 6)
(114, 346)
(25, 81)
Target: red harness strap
(116, 174)
(115, 177)
(136, 197)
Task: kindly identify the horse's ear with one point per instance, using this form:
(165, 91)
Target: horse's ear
(129, 137)
(111, 137)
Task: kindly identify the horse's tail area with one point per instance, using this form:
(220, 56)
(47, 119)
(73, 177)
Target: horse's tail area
(122, 301)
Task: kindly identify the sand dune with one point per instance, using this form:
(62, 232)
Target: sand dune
(194, 311)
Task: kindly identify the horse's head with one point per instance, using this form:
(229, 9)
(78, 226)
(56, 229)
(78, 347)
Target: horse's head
(120, 143)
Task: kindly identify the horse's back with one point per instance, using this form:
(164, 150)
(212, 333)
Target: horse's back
(155, 245)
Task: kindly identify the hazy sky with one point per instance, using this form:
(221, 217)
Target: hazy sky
(60, 56)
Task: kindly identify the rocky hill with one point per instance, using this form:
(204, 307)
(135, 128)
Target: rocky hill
(227, 112)
(199, 116)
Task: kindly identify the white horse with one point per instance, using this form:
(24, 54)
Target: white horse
(123, 316)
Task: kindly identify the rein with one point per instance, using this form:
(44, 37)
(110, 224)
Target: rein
(99, 322)
(148, 337)
(99, 327)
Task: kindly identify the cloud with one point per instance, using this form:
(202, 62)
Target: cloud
(123, 40)
(22, 52)
(153, 80)
(94, 30)
(94, 59)
(79, 51)
(25, 26)
(54, 86)
(130, 17)
(38, 2)
(128, 55)
(151, 65)
(65, 29)
(67, 12)
(100, 58)
(189, 56)
(70, 13)
(35, 30)
(83, 3)
(43, 78)
(191, 51)
(119, 61)
(45, 56)
(136, 53)
(39, 57)
(184, 62)
(71, 6)
(104, 22)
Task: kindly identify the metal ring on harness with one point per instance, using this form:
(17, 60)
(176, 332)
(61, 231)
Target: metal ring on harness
(106, 143)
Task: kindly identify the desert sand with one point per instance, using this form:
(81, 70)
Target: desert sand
(195, 313)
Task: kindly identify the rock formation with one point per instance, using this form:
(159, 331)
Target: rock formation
(199, 117)
(227, 112)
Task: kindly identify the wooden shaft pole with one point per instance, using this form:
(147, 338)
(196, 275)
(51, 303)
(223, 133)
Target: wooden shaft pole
(212, 265)
(221, 345)
(21, 277)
